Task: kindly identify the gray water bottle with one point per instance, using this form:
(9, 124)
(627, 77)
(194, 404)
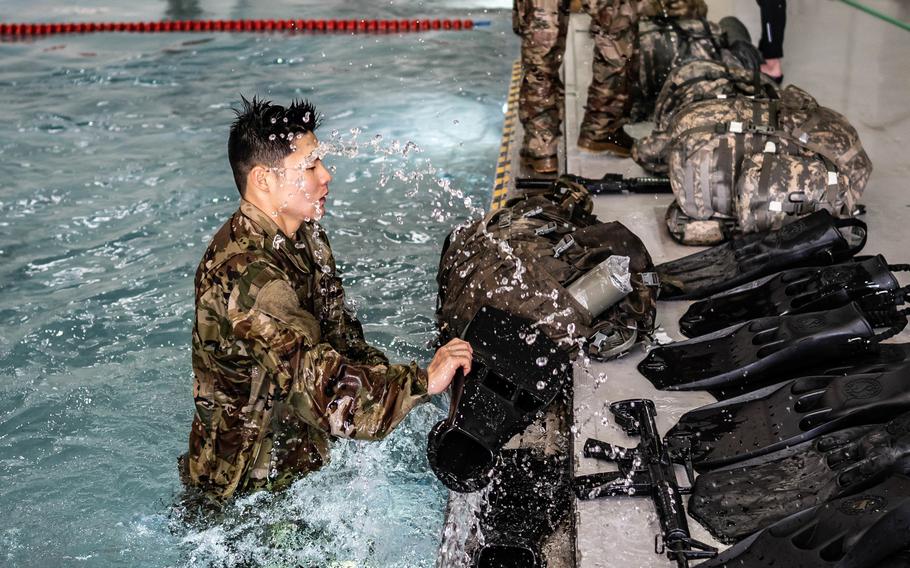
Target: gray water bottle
(603, 286)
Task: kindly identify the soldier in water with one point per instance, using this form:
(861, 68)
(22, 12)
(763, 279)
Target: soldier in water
(280, 365)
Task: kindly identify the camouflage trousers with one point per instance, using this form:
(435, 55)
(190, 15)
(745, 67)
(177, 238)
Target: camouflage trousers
(542, 25)
(613, 28)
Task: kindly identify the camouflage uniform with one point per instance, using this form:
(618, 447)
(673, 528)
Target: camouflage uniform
(613, 25)
(542, 25)
(280, 366)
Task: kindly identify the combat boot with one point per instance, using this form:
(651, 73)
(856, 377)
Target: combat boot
(540, 164)
(615, 141)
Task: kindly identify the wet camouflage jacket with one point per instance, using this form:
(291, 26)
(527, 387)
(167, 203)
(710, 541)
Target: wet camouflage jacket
(280, 366)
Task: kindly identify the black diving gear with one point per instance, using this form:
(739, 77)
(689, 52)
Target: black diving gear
(866, 529)
(795, 291)
(737, 500)
(516, 372)
(752, 353)
(530, 497)
(786, 414)
(814, 240)
(645, 471)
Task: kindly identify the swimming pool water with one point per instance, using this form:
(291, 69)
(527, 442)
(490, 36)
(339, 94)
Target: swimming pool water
(115, 176)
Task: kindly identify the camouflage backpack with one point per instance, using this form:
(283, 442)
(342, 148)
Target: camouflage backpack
(744, 165)
(695, 81)
(704, 79)
(519, 258)
(664, 44)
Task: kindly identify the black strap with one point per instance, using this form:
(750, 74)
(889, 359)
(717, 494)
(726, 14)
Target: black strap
(898, 321)
(756, 80)
(881, 310)
(899, 267)
(853, 222)
(714, 44)
(773, 105)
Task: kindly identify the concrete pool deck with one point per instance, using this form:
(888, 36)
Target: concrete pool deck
(848, 60)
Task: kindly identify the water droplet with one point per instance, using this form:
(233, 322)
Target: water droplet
(272, 136)
(541, 361)
(541, 385)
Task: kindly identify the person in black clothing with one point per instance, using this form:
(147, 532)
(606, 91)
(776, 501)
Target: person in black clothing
(773, 21)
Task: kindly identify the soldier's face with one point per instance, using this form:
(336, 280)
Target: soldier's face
(301, 184)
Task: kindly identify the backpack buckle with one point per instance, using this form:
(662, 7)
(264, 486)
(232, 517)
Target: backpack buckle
(546, 229)
(563, 245)
(797, 199)
(650, 279)
(533, 212)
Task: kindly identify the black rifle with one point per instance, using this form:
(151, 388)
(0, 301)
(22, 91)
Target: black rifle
(645, 470)
(610, 183)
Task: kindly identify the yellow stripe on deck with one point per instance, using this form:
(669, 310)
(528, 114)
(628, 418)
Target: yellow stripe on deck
(503, 164)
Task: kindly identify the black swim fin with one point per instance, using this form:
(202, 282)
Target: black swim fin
(814, 240)
(789, 413)
(737, 500)
(795, 291)
(867, 529)
(899, 560)
(766, 348)
(517, 371)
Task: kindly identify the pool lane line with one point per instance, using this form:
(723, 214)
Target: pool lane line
(880, 15)
(503, 164)
(196, 26)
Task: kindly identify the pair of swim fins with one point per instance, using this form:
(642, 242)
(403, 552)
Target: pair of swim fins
(516, 372)
(763, 350)
(737, 500)
(814, 240)
(794, 291)
(792, 412)
(867, 529)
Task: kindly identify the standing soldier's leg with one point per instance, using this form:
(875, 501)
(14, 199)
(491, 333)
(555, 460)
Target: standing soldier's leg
(613, 27)
(542, 25)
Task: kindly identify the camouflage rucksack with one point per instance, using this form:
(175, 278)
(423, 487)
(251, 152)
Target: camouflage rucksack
(519, 258)
(744, 164)
(703, 79)
(664, 44)
(695, 81)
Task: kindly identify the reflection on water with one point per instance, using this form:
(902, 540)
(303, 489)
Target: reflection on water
(183, 10)
(116, 176)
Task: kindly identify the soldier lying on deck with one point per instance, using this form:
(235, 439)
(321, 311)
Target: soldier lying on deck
(281, 367)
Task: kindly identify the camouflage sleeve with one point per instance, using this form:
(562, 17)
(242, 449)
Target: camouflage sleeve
(326, 389)
(340, 328)
(358, 348)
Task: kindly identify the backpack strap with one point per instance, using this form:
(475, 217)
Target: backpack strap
(710, 35)
(800, 136)
(854, 222)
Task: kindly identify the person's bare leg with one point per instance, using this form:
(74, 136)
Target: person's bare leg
(772, 68)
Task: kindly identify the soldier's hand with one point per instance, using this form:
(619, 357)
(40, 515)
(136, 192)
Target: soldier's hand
(447, 360)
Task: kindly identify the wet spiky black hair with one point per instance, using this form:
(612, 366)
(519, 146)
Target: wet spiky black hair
(263, 132)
